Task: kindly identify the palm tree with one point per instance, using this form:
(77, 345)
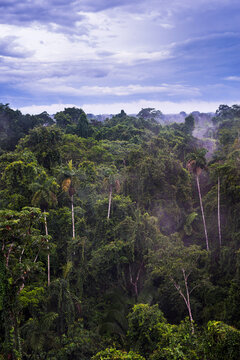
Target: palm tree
(196, 162)
(39, 336)
(45, 189)
(68, 174)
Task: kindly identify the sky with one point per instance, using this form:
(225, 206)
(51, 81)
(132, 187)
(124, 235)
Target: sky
(108, 55)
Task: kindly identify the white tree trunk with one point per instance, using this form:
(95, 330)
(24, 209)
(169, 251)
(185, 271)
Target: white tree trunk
(219, 215)
(186, 297)
(73, 222)
(109, 202)
(203, 216)
(48, 257)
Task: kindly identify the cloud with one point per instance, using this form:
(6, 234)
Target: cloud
(232, 78)
(24, 12)
(128, 57)
(103, 51)
(9, 47)
(167, 107)
(66, 14)
(208, 38)
(101, 91)
(58, 15)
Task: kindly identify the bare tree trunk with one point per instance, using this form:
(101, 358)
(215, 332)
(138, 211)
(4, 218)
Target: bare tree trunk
(219, 217)
(48, 257)
(186, 297)
(135, 283)
(73, 223)
(203, 216)
(109, 202)
(8, 254)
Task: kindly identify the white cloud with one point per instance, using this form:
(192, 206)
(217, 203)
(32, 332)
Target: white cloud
(59, 87)
(128, 57)
(51, 109)
(232, 78)
(100, 45)
(166, 107)
(134, 107)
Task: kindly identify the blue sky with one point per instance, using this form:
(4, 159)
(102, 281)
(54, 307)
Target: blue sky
(104, 56)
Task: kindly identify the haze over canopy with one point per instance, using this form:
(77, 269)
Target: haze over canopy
(106, 55)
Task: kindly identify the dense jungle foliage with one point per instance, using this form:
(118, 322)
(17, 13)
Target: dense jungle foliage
(119, 240)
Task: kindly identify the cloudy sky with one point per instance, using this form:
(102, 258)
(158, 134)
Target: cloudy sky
(108, 55)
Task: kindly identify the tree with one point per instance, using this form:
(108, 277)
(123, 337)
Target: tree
(45, 189)
(150, 113)
(62, 120)
(218, 171)
(144, 331)
(114, 354)
(179, 264)
(16, 179)
(44, 142)
(111, 181)
(73, 121)
(225, 112)
(189, 125)
(196, 162)
(69, 174)
(21, 245)
(14, 125)
(221, 341)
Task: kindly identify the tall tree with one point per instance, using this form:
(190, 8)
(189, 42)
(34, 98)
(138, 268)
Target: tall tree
(69, 174)
(196, 162)
(110, 182)
(181, 267)
(45, 189)
(218, 170)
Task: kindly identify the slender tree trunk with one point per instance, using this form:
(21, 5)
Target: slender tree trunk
(186, 297)
(203, 216)
(109, 202)
(73, 222)
(135, 283)
(219, 217)
(48, 257)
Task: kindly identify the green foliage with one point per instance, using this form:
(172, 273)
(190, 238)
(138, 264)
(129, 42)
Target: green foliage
(145, 328)
(114, 354)
(39, 335)
(188, 224)
(149, 113)
(73, 121)
(77, 343)
(221, 341)
(189, 125)
(135, 210)
(44, 142)
(30, 296)
(14, 125)
(225, 112)
(196, 160)
(178, 343)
